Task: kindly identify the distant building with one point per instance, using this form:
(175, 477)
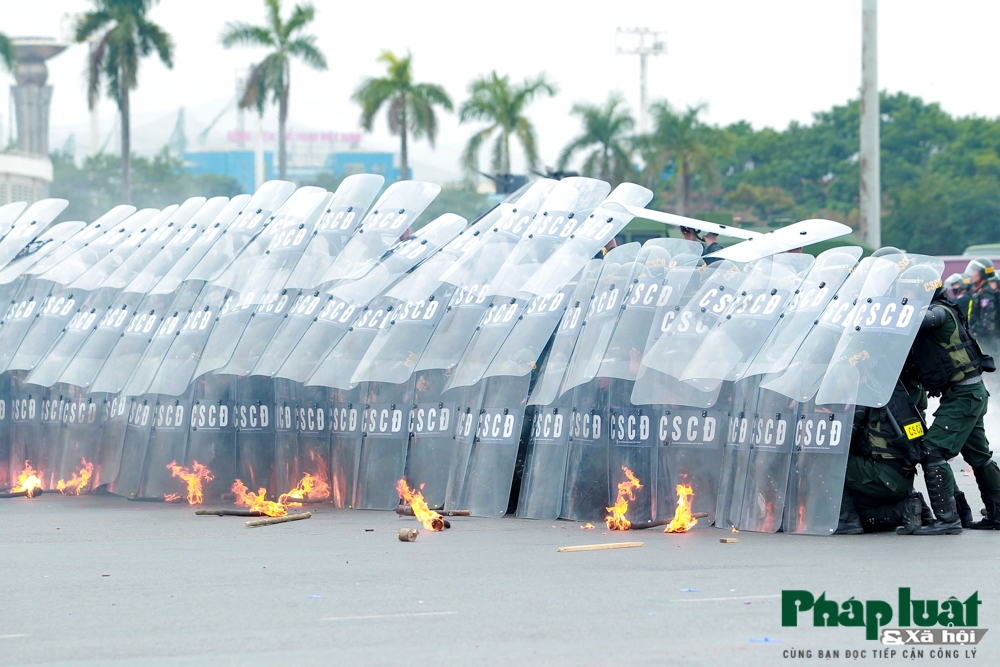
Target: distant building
(24, 177)
(234, 164)
(347, 164)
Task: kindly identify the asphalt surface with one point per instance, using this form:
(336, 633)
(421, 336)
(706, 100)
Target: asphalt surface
(102, 581)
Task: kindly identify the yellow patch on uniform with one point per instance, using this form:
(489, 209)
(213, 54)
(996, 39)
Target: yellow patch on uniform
(914, 430)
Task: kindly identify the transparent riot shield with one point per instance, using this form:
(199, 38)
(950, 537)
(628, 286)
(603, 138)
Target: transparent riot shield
(229, 241)
(736, 451)
(81, 438)
(108, 224)
(9, 213)
(211, 433)
(347, 415)
(434, 420)
(25, 429)
(302, 434)
(56, 311)
(20, 315)
(586, 489)
(341, 362)
(569, 203)
(30, 224)
(470, 407)
(167, 444)
(593, 233)
(878, 333)
(113, 425)
(775, 422)
(382, 459)
(389, 218)
(52, 240)
(320, 332)
(633, 441)
(489, 469)
(737, 336)
(253, 417)
(818, 469)
(137, 353)
(335, 227)
(135, 444)
(803, 308)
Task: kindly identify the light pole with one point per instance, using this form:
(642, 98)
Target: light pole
(871, 188)
(644, 42)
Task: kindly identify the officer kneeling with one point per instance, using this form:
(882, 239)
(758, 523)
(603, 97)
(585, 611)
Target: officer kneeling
(948, 362)
(886, 445)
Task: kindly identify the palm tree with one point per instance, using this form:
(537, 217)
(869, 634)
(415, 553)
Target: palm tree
(606, 127)
(126, 35)
(681, 139)
(411, 105)
(7, 53)
(492, 98)
(271, 76)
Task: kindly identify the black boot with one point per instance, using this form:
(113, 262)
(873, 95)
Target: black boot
(885, 518)
(964, 511)
(942, 503)
(911, 510)
(850, 522)
(992, 504)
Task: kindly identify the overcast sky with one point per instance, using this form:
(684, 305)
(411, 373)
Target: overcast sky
(769, 62)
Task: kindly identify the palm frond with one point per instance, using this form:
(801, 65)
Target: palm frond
(306, 50)
(90, 23)
(577, 144)
(371, 94)
(152, 36)
(245, 34)
(274, 17)
(7, 53)
(470, 156)
(302, 15)
(525, 132)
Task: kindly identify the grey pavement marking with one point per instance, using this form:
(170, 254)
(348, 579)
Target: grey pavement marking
(365, 618)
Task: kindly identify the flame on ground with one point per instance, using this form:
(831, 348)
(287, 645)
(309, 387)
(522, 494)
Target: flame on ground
(682, 521)
(415, 499)
(193, 477)
(257, 502)
(313, 487)
(79, 481)
(27, 481)
(586, 526)
(171, 497)
(626, 491)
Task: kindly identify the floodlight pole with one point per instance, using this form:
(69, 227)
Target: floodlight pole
(650, 43)
(871, 188)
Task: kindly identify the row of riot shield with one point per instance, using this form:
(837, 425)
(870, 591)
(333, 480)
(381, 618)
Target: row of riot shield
(495, 364)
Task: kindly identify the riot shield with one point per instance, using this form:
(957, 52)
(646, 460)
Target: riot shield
(382, 459)
(736, 451)
(569, 203)
(134, 432)
(335, 227)
(211, 433)
(879, 331)
(34, 221)
(545, 461)
(302, 434)
(253, 411)
(346, 419)
(51, 240)
(9, 214)
(168, 440)
(25, 429)
(389, 218)
(80, 440)
(317, 333)
(586, 486)
(737, 336)
(804, 307)
(633, 447)
(108, 224)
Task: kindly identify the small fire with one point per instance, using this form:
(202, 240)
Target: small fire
(586, 526)
(79, 481)
(311, 487)
(194, 477)
(682, 521)
(28, 481)
(626, 491)
(171, 497)
(257, 502)
(415, 499)
(735, 530)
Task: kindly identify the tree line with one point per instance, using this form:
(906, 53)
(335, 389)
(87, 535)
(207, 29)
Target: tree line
(940, 174)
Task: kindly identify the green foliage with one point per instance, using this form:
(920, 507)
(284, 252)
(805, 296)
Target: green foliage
(94, 188)
(8, 56)
(605, 128)
(762, 202)
(495, 100)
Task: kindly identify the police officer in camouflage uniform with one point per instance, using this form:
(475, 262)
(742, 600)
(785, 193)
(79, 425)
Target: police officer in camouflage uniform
(885, 449)
(984, 319)
(958, 289)
(948, 362)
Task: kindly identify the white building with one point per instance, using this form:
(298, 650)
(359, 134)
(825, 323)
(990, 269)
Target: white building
(24, 177)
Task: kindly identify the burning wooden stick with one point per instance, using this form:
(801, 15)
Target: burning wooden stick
(278, 519)
(601, 547)
(28, 493)
(406, 510)
(662, 522)
(229, 513)
(415, 500)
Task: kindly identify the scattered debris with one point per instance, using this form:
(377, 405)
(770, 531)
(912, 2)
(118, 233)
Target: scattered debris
(407, 510)
(408, 534)
(586, 526)
(369, 530)
(728, 540)
(278, 519)
(601, 547)
(690, 590)
(31, 493)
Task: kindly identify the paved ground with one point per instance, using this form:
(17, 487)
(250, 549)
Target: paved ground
(102, 581)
